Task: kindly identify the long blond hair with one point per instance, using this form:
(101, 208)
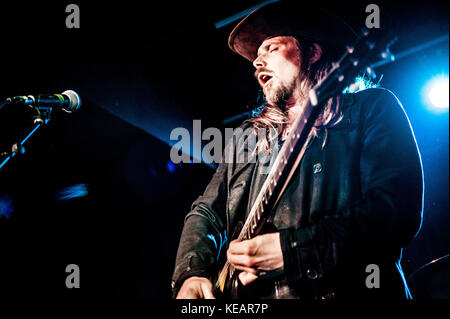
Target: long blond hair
(273, 119)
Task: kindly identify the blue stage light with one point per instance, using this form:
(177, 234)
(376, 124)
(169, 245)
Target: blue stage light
(6, 206)
(170, 167)
(436, 94)
(75, 191)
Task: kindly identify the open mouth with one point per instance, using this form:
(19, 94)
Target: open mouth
(264, 78)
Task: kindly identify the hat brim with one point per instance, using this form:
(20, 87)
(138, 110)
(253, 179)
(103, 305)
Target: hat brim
(289, 18)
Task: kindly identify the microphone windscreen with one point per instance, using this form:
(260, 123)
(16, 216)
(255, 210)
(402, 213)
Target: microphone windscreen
(75, 101)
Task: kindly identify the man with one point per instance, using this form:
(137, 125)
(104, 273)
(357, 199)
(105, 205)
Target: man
(355, 199)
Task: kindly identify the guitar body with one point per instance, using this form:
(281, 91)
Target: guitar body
(233, 288)
(259, 289)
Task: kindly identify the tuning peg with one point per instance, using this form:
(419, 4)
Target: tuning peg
(387, 55)
(371, 72)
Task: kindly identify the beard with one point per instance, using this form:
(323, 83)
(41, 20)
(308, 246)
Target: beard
(279, 95)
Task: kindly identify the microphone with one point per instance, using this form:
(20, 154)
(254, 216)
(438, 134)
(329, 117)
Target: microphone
(68, 101)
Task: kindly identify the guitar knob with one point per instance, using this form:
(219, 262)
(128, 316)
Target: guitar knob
(312, 274)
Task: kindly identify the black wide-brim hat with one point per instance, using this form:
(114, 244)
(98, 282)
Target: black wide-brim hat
(293, 18)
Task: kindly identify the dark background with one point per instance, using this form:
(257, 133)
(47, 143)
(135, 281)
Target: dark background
(142, 70)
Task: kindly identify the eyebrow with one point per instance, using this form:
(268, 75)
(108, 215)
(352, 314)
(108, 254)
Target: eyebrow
(267, 45)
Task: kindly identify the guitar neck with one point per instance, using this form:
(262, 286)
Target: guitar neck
(286, 161)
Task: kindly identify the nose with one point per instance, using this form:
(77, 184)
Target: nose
(259, 62)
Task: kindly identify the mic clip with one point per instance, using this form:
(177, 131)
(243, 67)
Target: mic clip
(22, 100)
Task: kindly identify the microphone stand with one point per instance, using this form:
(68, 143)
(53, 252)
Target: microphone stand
(3, 104)
(42, 118)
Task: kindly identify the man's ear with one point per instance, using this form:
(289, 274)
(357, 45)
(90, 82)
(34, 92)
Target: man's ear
(315, 54)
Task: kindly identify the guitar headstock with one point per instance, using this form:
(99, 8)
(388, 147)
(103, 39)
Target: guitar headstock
(358, 58)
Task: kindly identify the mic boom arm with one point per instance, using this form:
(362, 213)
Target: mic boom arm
(68, 101)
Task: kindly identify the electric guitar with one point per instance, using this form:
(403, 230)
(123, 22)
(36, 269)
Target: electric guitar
(342, 73)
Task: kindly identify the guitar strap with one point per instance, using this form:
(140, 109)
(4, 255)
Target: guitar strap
(261, 170)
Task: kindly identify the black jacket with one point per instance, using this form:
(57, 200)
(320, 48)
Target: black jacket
(358, 200)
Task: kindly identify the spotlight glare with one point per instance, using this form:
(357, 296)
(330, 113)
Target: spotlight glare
(437, 94)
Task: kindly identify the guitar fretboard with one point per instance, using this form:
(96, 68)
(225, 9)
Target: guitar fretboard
(267, 197)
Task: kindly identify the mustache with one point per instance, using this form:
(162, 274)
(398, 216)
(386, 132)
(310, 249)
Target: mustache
(262, 69)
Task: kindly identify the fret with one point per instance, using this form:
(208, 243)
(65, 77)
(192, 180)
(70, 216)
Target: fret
(258, 213)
